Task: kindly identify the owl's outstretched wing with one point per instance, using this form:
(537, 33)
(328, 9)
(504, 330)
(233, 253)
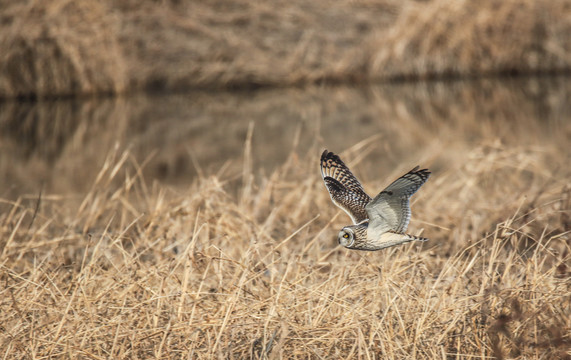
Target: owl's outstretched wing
(390, 210)
(344, 188)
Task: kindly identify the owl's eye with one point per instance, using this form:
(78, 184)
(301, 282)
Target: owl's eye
(346, 236)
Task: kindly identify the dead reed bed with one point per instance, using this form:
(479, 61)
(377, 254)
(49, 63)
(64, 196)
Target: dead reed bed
(474, 38)
(139, 270)
(61, 47)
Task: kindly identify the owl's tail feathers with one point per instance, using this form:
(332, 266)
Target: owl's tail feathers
(419, 238)
(391, 238)
(416, 238)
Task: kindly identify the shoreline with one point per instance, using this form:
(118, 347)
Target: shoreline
(68, 49)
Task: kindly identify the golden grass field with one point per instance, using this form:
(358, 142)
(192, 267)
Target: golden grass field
(243, 263)
(102, 259)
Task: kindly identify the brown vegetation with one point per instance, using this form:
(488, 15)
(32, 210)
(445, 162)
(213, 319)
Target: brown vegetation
(244, 264)
(62, 47)
(474, 38)
(59, 48)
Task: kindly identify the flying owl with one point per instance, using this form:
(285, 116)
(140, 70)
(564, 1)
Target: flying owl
(379, 223)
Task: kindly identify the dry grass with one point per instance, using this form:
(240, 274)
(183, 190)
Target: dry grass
(62, 47)
(59, 48)
(140, 271)
(471, 38)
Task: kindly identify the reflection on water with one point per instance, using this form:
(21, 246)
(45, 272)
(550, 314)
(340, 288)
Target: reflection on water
(62, 145)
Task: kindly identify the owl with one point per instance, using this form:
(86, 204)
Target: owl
(379, 222)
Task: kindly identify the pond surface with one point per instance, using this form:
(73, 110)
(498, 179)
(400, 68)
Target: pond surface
(61, 146)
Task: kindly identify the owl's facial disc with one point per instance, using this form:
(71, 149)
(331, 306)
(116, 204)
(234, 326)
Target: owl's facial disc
(346, 237)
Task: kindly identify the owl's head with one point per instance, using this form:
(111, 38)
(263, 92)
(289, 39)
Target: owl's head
(346, 237)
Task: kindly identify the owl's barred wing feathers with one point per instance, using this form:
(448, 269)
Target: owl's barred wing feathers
(390, 209)
(344, 188)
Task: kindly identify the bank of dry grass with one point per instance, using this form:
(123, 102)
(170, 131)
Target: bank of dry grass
(475, 38)
(59, 48)
(139, 271)
(62, 47)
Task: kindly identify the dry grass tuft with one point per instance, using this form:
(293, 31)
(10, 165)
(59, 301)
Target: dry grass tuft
(470, 38)
(139, 271)
(59, 48)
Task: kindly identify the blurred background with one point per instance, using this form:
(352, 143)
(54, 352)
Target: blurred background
(183, 85)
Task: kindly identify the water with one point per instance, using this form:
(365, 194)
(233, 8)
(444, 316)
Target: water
(60, 146)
